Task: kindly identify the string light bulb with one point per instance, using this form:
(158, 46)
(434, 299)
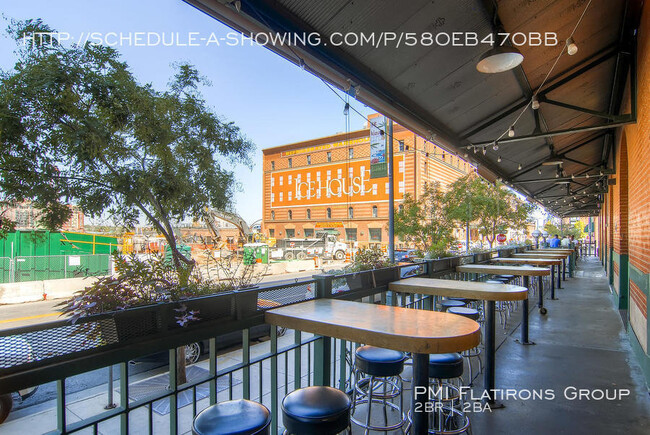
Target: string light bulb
(588, 175)
(511, 131)
(539, 171)
(499, 159)
(484, 150)
(475, 150)
(495, 146)
(535, 103)
(346, 109)
(519, 167)
(571, 47)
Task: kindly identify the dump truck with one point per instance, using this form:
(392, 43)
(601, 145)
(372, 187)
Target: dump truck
(324, 245)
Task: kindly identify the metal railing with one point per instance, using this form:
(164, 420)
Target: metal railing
(45, 267)
(59, 351)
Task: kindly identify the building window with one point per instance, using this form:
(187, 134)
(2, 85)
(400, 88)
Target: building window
(329, 156)
(308, 213)
(272, 165)
(329, 213)
(374, 211)
(350, 212)
(308, 159)
(401, 145)
(271, 232)
(291, 233)
(351, 234)
(272, 215)
(309, 232)
(351, 153)
(375, 234)
(290, 214)
(290, 162)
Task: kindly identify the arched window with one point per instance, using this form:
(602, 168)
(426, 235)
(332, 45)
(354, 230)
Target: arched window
(329, 213)
(350, 212)
(374, 211)
(272, 215)
(308, 213)
(290, 214)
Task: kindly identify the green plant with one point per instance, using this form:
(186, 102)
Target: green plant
(367, 259)
(141, 282)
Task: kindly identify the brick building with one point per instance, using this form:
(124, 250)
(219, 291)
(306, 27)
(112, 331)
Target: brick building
(25, 215)
(623, 229)
(325, 183)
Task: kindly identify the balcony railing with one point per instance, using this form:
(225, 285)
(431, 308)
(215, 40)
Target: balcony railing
(265, 372)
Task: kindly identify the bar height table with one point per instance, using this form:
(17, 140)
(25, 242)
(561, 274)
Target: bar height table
(417, 331)
(525, 271)
(469, 290)
(536, 262)
(566, 251)
(539, 254)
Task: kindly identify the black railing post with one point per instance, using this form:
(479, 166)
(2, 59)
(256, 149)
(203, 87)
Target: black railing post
(323, 346)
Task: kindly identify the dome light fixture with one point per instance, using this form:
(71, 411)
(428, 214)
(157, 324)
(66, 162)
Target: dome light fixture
(499, 59)
(571, 47)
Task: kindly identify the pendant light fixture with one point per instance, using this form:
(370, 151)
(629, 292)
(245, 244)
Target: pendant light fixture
(499, 59)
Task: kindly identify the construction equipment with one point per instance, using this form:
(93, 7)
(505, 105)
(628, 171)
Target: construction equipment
(246, 234)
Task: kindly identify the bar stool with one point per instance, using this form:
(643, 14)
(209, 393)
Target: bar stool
(233, 417)
(448, 303)
(316, 411)
(382, 384)
(445, 372)
(473, 314)
(504, 308)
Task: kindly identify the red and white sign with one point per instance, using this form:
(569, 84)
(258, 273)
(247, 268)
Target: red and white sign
(501, 238)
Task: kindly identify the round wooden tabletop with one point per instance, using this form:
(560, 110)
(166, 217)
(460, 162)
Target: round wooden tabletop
(408, 330)
(509, 270)
(534, 261)
(460, 289)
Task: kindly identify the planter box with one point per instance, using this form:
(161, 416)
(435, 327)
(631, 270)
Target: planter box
(220, 306)
(359, 280)
(245, 302)
(384, 276)
(136, 322)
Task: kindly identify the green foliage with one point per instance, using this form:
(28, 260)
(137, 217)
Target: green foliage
(493, 208)
(76, 126)
(425, 223)
(576, 230)
(367, 259)
(139, 282)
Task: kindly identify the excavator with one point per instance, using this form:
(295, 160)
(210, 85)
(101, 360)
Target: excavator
(246, 234)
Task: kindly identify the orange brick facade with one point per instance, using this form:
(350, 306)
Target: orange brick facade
(624, 235)
(325, 183)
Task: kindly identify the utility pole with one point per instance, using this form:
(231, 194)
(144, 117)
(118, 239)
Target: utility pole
(391, 195)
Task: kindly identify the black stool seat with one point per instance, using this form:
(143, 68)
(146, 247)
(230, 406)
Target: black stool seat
(316, 410)
(445, 365)
(507, 276)
(494, 281)
(470, 313)
(446, 304)
(463, 300)
(241, 417)
(376, 361)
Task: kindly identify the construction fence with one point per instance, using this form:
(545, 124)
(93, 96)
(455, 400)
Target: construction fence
(46, 267)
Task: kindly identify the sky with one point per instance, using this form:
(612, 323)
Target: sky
(273, 101)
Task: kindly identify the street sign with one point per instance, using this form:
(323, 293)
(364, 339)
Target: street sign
(501, 238)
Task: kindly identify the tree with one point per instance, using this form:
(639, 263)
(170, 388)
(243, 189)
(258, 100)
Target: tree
(492, 207)
(76, 126)
(425, 223)
(462, 200)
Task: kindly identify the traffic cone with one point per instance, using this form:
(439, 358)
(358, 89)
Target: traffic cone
(348, 257)
(316, 262)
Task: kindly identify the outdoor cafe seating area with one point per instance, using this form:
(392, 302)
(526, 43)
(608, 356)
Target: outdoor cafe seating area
(433, 350)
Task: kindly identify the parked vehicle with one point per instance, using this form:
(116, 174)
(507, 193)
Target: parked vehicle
(405, 255)
(324, 245)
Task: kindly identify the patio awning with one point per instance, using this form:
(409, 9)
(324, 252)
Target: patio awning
(435, 90)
